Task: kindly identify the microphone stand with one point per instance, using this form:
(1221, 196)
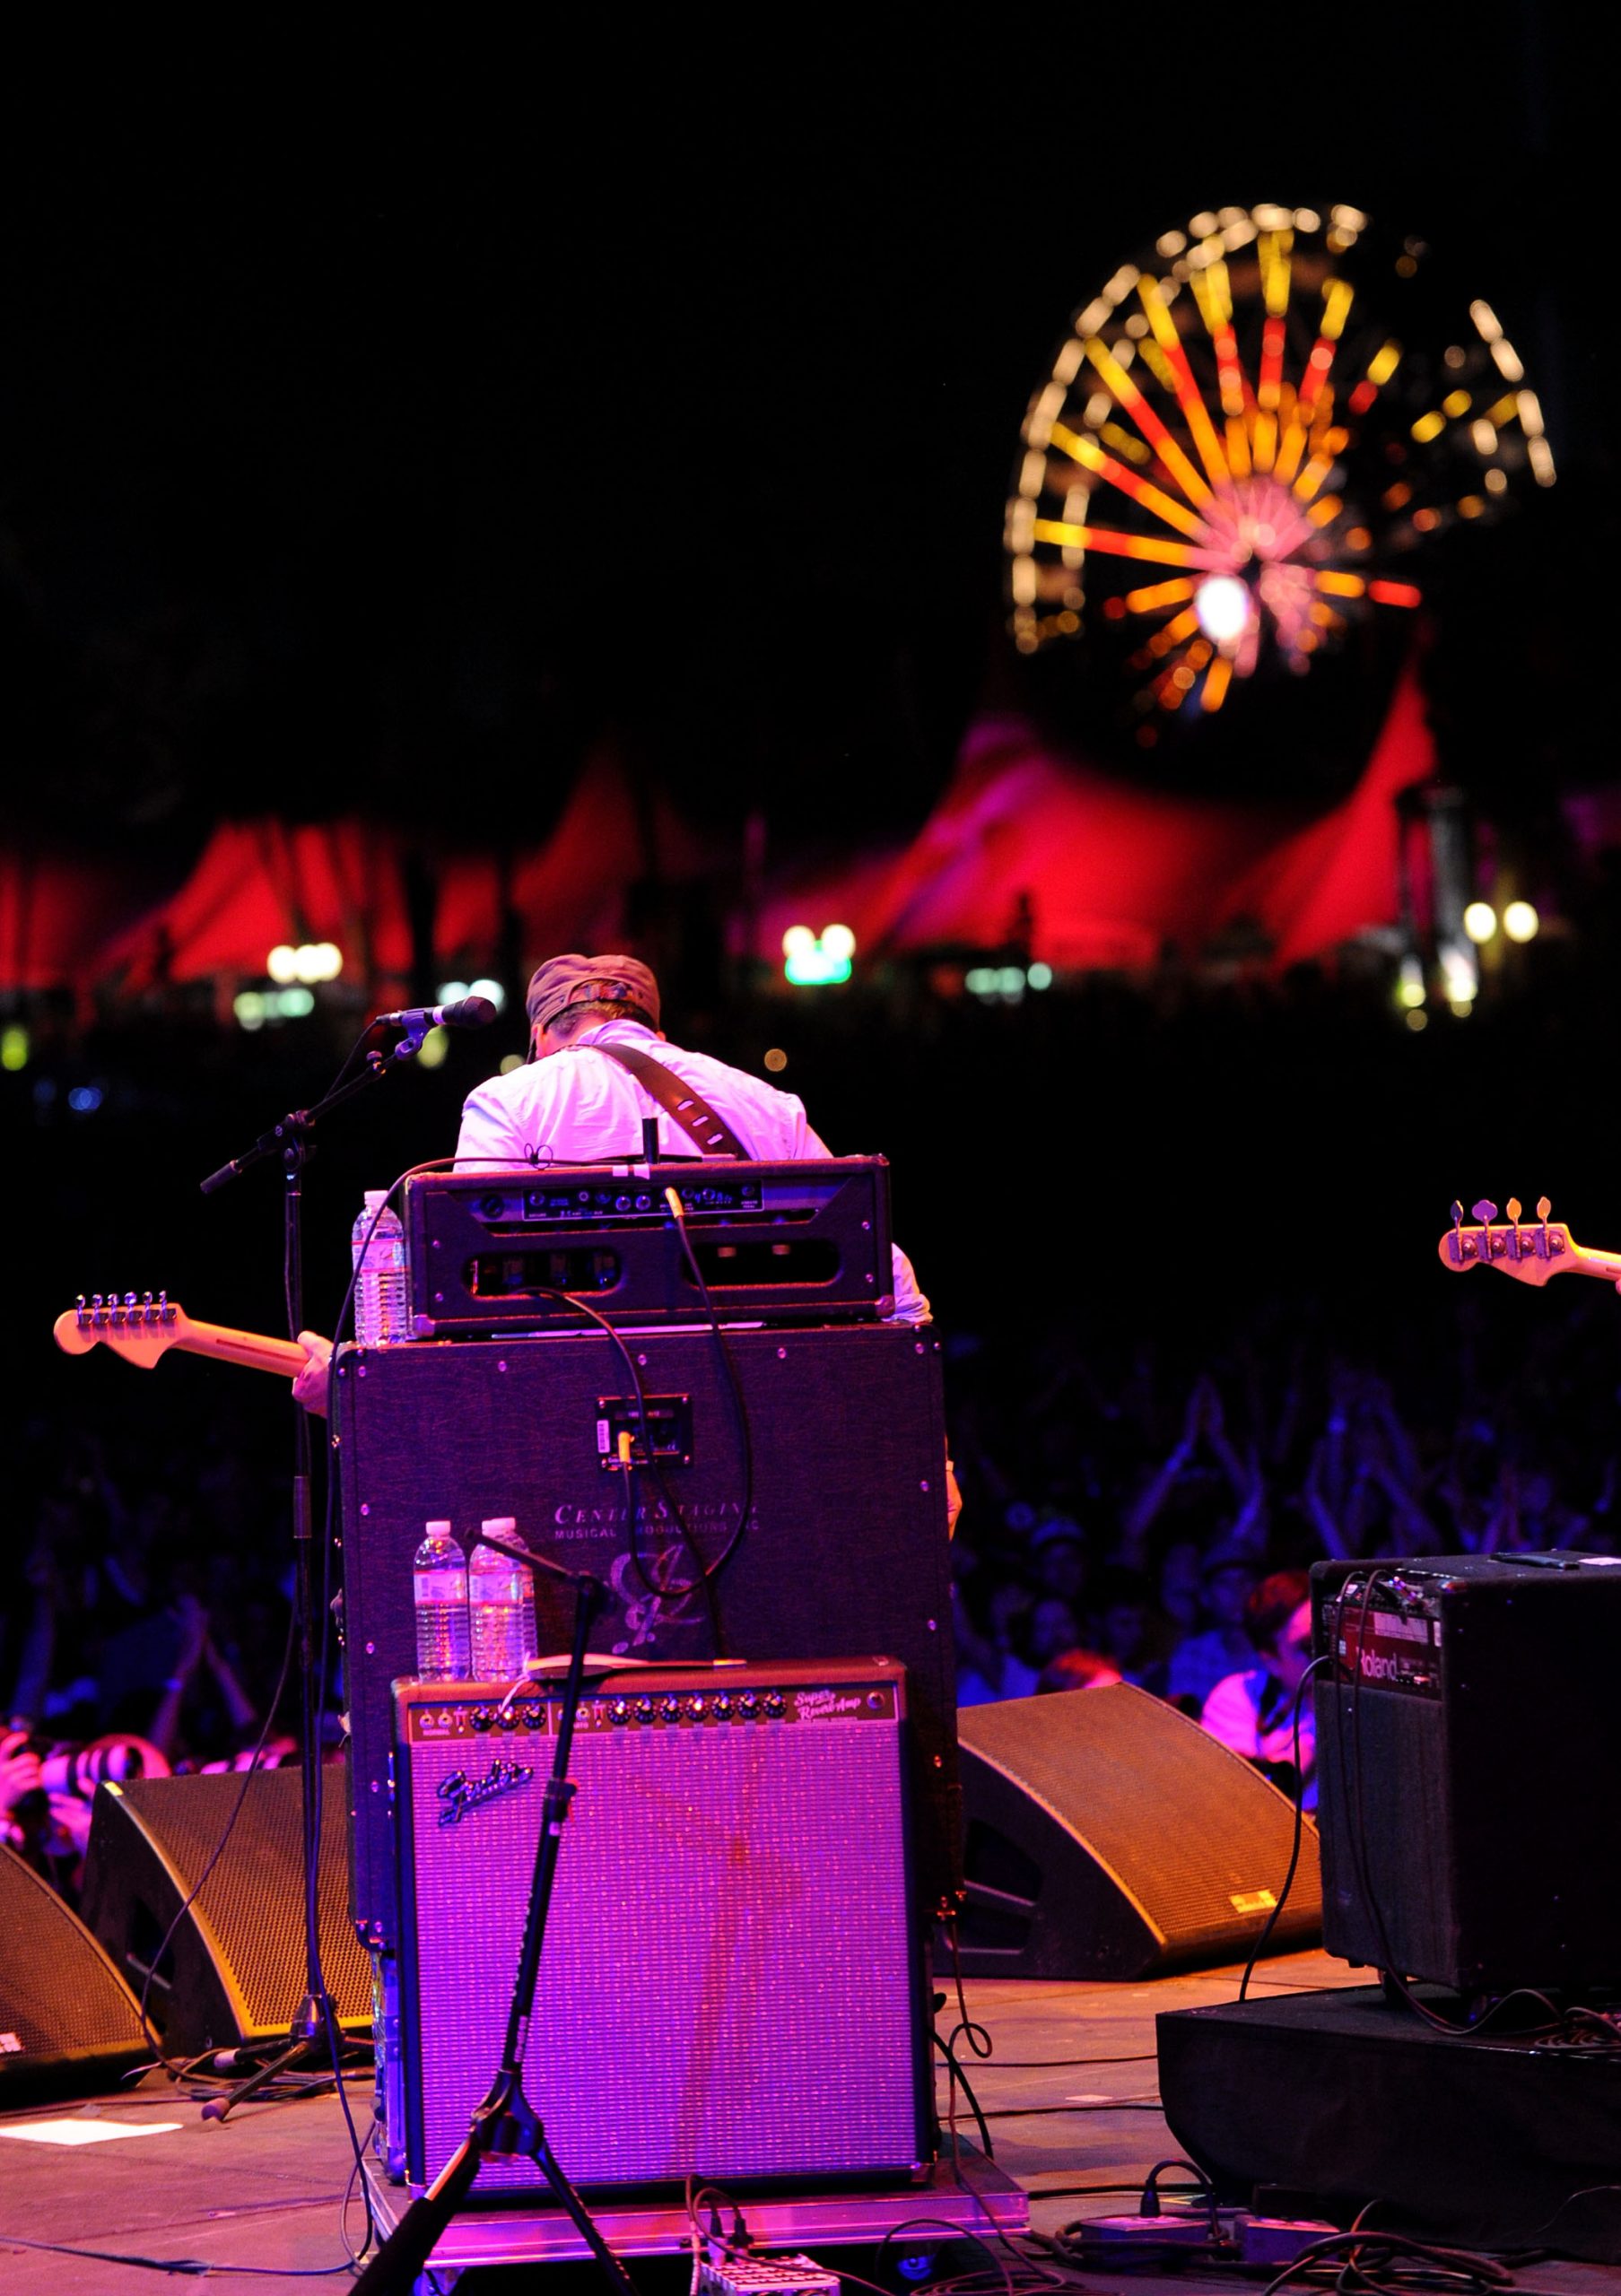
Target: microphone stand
(290, 1144)
(506, 2122)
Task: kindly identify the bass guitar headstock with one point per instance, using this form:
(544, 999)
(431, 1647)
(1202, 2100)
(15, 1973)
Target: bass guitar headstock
(1532, 1252)
(140, 1330)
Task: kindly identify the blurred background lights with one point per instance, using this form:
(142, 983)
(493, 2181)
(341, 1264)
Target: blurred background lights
(1521, 921)
(813, 962)
(13, 1047)
(1410, 988)
(254, 1006)
(450, 992)
(1480, 920)
(1460, 975)
(1038, 976)
(1221, 604)
(492, 989)
(310, 960)
(434, 1047)
(85, 1098)
(776, 1060)
(511, 1061)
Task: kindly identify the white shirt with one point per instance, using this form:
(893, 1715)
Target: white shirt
(579, 1106)
(1233, 1713)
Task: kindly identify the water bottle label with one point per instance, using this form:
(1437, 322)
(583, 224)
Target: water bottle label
(442, 1587)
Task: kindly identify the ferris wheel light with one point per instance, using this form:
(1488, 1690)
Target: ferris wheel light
(1521, 921)
(1480, 921)
(1222, 602)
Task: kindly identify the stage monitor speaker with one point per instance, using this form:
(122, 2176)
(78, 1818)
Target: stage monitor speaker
(846, 1552)
(732, 1980)
(1108, 1836)
(68, 2023)
(235, 1971)
(1468, 1757)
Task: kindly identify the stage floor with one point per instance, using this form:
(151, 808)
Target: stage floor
(267, 2188)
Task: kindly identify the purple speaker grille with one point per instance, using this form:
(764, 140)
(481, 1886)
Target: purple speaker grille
(727, 1985)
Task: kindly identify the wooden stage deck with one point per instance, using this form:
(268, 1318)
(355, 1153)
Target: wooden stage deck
(267, 2188)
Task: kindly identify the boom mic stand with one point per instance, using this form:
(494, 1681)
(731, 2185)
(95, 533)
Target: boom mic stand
(505, 2121)
(289, 1143)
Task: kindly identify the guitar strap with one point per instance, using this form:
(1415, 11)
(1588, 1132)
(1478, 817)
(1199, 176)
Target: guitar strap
(683, 1102)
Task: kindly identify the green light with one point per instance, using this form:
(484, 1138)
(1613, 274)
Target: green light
(810, 962)
(13, 1047)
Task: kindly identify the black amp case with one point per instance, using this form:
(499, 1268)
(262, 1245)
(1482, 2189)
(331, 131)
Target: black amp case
(1468, 1763)
(846, 1555)
(800, 1242)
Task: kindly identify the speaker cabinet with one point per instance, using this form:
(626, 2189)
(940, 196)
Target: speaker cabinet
(731, 1983)
(846, 1552)
(235, 1971)
(69, 2024)
(1108, 1836)
(1468, 1758)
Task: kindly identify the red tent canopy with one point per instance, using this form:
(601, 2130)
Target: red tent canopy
(1027, 847)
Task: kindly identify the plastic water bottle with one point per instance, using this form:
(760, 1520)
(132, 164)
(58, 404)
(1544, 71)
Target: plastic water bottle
(439, 1592)
(382, 1294)
(501, 1608)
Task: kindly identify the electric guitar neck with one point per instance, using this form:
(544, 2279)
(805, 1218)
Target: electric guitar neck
(142, 1330)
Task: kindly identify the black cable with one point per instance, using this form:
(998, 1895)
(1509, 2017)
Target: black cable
(1462, 2268)
(1270, 1923)
(745, 1432)
(961, 2078)
(958, 2232)
(191, 2267)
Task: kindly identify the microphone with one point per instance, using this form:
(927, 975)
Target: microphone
(467, 1012)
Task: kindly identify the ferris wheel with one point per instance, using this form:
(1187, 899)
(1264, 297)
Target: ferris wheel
(1245, 443)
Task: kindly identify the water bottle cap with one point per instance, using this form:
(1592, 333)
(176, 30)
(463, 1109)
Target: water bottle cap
(500, 1523)
(432, 1527)
(374, 1197)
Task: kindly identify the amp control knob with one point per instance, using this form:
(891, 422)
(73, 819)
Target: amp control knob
(644, 1709)
(748, 1703)
(620, 1710)
(774, 1701)
(670, 1708)
(694, 1707)
(723, 1706)
(480, 1718)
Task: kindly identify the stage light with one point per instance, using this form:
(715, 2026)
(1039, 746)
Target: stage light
(1040, 976)
(320, 960)
(84, 1098)
(512, 1060)
(1223, 605)
(1409, 988)
(1460, 975)
(1418, 1019)
(13, 1047)
(492, 989)
(1521, 921)
(776, 1060)
(451, 992)
(281, 963)
(434, 1046)
(250, 1006)
(810, 962)
(1480, 920)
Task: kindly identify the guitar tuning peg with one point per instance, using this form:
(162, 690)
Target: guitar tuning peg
(1456, 1215)
(1486, 1211)
(1513, 1209)
(129, 1298)
(1543, 1207)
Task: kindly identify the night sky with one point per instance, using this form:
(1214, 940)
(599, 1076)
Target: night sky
(392, 407)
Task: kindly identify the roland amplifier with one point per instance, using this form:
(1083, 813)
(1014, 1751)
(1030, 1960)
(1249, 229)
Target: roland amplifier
(1468, 1758)
(845, 1551)
(731, 1983)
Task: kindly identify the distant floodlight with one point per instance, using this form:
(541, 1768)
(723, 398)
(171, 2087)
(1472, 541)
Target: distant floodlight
(1010, 981)
(1040, 976)
(451, 992)
(13, 1047)
(492, 989)
(434, 1046)
(250, 1007)
(1460, 974)
(1410, 988)
(816, 962)
(511, 1061)
(981, 981)
(283, 962)
(1480, 919)
(293, 1004)
(323, 962)
(1222, 602)
(1521, 921)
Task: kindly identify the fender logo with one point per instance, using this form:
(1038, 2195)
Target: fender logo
(459, 1793)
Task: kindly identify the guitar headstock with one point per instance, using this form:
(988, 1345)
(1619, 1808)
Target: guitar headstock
(140, 1330)
(1532, 1252)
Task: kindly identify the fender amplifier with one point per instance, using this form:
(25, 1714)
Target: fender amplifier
(731, 1983)
(797, 1242)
